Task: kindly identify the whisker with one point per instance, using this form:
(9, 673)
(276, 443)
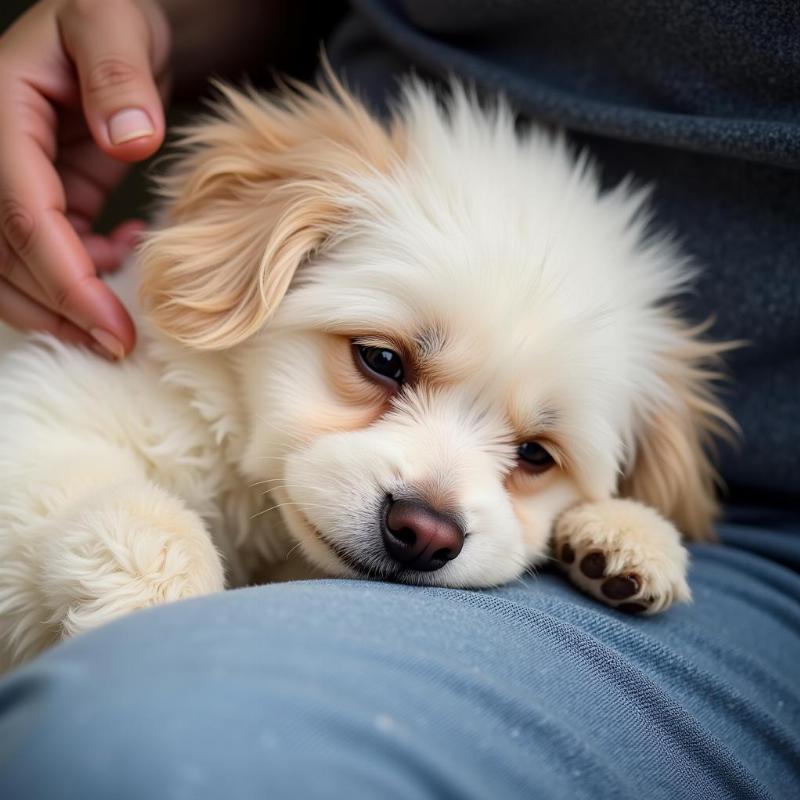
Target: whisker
(283, 431)
(291, 550)
(289, 486)
(292, 486)
(291, 503)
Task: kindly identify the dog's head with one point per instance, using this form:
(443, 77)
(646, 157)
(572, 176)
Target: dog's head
(446, 333)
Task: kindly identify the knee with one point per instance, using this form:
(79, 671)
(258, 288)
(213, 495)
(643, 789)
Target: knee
(71, 732)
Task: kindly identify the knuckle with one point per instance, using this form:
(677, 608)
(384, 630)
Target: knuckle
(6, 261)
(62, 297)
(84, 8)
(109, 73)
(65, 295)
(80, 6)
(18, 225)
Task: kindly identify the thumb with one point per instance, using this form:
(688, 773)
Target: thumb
(116, 52)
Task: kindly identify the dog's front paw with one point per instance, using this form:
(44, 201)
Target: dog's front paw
(624, 554)
(132, 548)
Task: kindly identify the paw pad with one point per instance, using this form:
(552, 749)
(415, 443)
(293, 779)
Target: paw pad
(613, 587)
(620, 587)
(593, 565)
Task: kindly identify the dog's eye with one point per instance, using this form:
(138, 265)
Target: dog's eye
(534, 458)
(380, 363)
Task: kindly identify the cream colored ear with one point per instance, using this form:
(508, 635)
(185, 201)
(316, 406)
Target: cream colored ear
(261, 185)
(672, 469)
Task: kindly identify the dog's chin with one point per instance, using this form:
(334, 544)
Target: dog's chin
(314, 546)
(356, 566)
(325, 554)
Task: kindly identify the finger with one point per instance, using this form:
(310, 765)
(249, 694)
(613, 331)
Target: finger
(25, 314)
(14, 271)
(111, 45)
(88, 182)
(88, 176)
(129, 233)
(106, 256)
(83, 198)
(35, 227)
(108, 252)
(126, 237)
(26, 308)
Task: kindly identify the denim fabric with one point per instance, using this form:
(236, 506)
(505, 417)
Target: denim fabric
(697, 98)
(348, 689)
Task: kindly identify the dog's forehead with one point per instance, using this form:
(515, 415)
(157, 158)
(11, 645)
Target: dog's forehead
(521, 340)
(503, 265)
(506, 236)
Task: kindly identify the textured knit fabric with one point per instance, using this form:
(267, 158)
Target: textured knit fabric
(347, 689)
(699, 99)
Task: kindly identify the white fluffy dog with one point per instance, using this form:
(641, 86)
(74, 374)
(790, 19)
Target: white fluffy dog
(429, 352)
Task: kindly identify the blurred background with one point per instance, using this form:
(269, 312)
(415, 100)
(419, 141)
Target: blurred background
(294, 52)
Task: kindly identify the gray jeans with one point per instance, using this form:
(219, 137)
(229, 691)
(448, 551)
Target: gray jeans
(351, 689)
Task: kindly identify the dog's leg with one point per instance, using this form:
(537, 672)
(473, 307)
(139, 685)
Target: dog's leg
(88, 539)
(624, 554)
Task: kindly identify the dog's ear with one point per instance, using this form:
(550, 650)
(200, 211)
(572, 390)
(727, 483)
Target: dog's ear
(260, 186)
(671, 469)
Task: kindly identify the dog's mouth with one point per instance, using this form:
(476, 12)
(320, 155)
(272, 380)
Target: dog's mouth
(373, 572)
(378, 569)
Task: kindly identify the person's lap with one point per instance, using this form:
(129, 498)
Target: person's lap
(356, 689)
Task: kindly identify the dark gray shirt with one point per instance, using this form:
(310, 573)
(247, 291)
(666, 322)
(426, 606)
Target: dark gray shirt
(701, 99)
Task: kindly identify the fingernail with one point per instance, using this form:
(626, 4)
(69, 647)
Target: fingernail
(129, 124)
(108, 342)
(101, 351)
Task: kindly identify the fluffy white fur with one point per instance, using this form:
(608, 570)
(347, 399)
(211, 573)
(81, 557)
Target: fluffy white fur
(532, 305)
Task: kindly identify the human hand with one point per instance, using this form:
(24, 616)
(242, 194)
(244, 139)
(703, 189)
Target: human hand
(81, 88)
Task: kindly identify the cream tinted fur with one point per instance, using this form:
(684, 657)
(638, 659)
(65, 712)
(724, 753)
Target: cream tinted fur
(241, 429)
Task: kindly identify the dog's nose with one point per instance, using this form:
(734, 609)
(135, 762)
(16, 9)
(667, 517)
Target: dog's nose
(420, 538)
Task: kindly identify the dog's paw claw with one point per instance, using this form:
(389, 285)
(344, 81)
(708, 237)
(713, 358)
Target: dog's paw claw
(631, 608)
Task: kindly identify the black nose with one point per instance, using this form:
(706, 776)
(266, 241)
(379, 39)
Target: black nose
(420, 538)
